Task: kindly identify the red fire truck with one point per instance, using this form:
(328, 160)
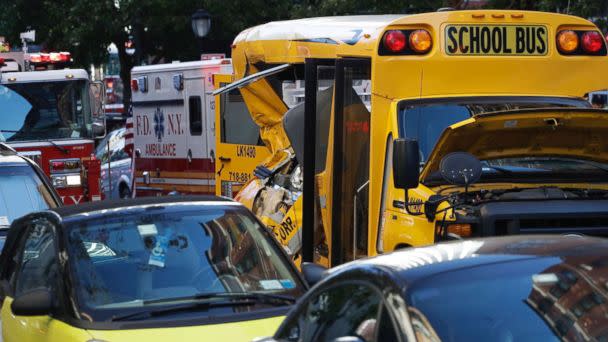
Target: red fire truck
(53, 115)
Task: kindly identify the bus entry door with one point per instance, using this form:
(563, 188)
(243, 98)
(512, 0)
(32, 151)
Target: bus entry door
(239, 148)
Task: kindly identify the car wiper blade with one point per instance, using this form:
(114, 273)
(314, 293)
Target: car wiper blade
(263, 297)
(257, 296)
(163, 311)
(205, 301)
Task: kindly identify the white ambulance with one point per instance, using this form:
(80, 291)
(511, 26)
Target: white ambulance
(174, 127)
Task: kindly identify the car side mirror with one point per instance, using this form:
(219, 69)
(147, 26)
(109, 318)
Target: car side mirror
(37, 302)
(312, 272)
(406, 163)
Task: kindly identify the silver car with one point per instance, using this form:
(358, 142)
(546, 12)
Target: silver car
(116, 166)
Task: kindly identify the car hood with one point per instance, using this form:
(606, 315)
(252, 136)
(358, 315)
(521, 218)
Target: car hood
(568, 132)
(233, 331)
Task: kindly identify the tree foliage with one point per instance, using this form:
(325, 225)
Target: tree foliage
(162, 28)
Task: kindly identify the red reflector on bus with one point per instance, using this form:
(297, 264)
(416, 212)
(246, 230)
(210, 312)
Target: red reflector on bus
(394, 40)
(592, 41)
(134, 85)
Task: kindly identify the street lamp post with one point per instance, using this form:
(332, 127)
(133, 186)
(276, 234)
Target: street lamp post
(201, 23)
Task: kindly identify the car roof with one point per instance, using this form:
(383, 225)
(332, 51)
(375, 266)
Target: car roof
(91, 207)
(11, 159)
(8, 155)
(410, 265)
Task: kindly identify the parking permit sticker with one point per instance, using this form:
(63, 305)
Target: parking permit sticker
(4, 221)
(159, 252)
(147, 229)
(271, 284)
(287, 284)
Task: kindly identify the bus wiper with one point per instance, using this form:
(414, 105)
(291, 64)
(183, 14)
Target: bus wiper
(205, 301)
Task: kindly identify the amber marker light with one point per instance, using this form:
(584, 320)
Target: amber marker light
(462, 230)
(567, 41)
(420, 41)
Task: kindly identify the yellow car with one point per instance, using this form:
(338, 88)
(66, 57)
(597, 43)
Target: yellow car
(154, 269)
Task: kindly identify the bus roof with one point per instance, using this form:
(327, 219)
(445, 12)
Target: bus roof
(291, 41)
(437, 72)
(330, 30)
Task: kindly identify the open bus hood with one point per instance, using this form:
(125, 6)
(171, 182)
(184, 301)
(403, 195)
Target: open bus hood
(567, 132)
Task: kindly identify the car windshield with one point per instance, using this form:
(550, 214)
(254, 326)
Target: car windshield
(540, 299)
(21, 192)
(425, 122)
(134, 260)
(44, 110)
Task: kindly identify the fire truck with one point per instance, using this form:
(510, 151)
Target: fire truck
(53, 114)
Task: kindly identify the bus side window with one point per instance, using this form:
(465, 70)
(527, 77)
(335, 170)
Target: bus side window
(196, 117)
(237, 126)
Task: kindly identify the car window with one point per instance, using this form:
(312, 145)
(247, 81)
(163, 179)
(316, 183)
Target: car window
(125, 260)
(21, 192)
(113, 145)
(348, 310)
(37, 266)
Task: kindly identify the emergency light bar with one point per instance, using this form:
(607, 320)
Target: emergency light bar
(42, 60)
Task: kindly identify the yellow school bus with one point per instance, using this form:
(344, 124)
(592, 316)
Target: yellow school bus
(389, 131)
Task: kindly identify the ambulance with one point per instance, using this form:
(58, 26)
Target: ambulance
(174, 127)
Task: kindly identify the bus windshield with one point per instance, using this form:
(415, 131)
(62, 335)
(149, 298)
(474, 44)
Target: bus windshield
(425, 121)
(45, 110)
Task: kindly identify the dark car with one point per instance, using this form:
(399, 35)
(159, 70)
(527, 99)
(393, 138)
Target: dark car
(516, 288)
(23, 188)
(172, 268)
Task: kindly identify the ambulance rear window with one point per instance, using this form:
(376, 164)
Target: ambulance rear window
(194, 108)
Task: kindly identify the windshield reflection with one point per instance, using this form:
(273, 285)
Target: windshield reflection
(519, 298)
(425, 122)
(44, 110)
(154, 256)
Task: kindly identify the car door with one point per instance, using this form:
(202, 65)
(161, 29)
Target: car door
(353, 311)
(33, 264)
